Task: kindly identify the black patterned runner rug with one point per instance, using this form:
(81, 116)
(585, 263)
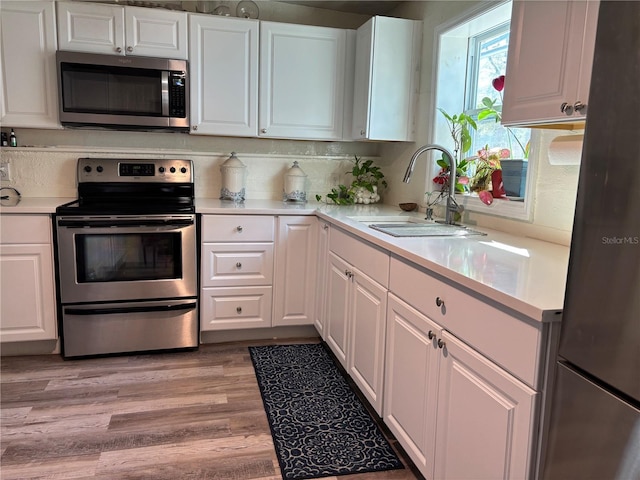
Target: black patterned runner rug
(319, 426)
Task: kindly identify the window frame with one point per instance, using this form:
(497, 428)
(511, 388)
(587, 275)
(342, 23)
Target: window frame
(471, 23)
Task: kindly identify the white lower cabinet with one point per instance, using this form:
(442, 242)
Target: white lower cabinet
(321, 277)
(356, 311)
(236, 272)
(257, 271)
(458, 414)
(295, 277)
(27, 292)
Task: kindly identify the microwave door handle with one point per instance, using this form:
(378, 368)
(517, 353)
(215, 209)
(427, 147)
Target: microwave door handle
(164, 85)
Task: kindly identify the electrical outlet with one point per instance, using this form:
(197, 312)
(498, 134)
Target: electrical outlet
(5, 171)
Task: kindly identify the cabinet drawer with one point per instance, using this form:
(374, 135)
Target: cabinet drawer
(513, 343)
(238, 228)
(234, 308)
(25, 229)
(236, 264)
(364, 256)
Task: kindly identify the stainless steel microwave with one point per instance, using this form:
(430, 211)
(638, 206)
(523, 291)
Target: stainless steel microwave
(122, 92)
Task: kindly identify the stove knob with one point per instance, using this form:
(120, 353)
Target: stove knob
(172, 169)
(87, 168)
(161, 169)
(183, 169)
(99, 168)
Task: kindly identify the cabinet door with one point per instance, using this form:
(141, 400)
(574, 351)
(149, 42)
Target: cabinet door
(411, 381)
(28, 304)
(91, 27)
(367, 334)
(28, 86)
(152, 32)
(302, 78)
(321, 278)
(386, 79)
(337, 307)
(549, 63)
(485, 417)
(224, 75)
(295, 280)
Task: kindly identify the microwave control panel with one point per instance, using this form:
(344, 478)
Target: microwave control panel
(177, 95)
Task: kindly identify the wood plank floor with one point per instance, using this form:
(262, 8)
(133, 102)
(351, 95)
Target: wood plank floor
(167, 416)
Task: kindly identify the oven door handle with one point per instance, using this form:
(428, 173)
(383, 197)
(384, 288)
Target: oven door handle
(111, 311)
(125, 223)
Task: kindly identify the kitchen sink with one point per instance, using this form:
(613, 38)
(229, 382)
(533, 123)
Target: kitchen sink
(411, 229)
(409, 226)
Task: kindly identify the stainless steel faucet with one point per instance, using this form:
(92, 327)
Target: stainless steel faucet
(452, 206)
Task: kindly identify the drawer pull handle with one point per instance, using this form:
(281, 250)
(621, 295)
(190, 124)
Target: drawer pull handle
(239, 228)
(441, 343)
(431, 335)
(238, 265)
(239, 309)
(439, 302)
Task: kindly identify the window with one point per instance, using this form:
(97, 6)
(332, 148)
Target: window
(472, 52)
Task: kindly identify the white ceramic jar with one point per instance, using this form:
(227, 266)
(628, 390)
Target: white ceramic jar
(233, 177)
(295, 181)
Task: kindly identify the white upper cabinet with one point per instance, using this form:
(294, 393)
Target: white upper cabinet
(549, 63)
(28, 87)
(302, 79)
(387, 74)
(224, 75)
(117, 30)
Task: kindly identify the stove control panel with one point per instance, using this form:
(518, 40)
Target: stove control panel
(134, 170)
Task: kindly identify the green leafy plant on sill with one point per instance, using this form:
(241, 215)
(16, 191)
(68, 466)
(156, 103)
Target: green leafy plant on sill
(460, 126)
(367, 179)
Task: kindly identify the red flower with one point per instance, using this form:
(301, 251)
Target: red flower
(498, 83)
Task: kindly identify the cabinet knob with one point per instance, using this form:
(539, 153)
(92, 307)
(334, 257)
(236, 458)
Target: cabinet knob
(431, 335)
(325, 227)
(439, 302)
(238, 265)
(119, 49)
(194, 128)
(441, 343)
(362, 132)
(566, 109)
(263, 130)
(579, 106)
(239, 309)
(239, 228)
(129, 49)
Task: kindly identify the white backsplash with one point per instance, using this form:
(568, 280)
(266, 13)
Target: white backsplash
(51, 172)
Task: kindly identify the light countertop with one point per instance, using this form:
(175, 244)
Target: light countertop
(26, 205)
(523, 274)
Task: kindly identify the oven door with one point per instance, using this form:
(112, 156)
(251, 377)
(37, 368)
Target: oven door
(118, 258)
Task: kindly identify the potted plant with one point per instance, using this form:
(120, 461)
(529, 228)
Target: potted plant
(365, 187)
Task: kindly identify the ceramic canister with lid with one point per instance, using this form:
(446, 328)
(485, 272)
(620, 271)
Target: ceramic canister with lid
(295, 184)
(233, 177)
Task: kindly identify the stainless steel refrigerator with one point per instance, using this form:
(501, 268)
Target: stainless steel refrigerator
(595, 413)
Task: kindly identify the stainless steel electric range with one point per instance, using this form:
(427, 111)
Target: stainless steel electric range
(126, 257)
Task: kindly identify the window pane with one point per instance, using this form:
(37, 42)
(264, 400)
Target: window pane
(492, 62)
